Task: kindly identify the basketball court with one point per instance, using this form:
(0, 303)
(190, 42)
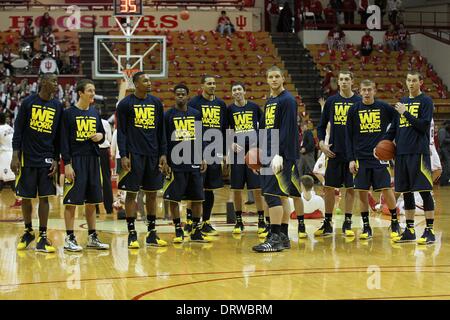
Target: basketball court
(314, 268)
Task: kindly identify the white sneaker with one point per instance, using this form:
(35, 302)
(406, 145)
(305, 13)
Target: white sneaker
(71, 244)
(95, 243)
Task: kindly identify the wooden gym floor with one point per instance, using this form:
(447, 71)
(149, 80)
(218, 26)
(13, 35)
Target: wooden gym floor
(315, 268)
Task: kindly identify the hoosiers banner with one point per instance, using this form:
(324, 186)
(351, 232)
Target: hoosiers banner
(104, 21)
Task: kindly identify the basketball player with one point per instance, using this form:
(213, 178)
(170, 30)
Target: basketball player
(436, 166)
(143, 148)
(214, 116)
(185, 180)
(411, 129)
(6, 151)
(243, 117)
(35, 157)
(81, 133)
(367, 122)
(280, 113)
(337, 172)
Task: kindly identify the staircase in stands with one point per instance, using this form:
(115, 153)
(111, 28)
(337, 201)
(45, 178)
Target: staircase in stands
(302, 69)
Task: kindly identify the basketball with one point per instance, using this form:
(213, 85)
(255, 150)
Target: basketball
(184, 15)
(252, 159)
(385, 150)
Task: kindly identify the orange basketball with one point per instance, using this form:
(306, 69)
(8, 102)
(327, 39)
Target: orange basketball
(385, 150)
(184, 15)
(253, 159)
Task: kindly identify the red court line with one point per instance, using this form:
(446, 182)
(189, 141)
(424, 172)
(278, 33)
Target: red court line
(139, 296)
(342, 269)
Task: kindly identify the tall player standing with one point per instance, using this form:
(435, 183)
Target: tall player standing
(411, 130)
(143, 148)
(214, 116)
(280, 114)
(337, 173)
(35, 157)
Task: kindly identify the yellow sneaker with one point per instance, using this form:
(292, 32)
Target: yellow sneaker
(132, 240)
(25, 240)
(44, 245)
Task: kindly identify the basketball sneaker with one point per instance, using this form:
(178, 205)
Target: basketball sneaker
(71, 244)
(25, 240)
(347, 228)
(325, 230)
(261, 227)
(408, 235)
(208, 230)
(198, 236)
(273, 243)
(427, 237)
(179, 236)
(265, 233)
(153, 240)
(43, 244)
(302, 231)
(132, 240)
(238, 228)
(285, 241)
(366, 233)
(17, 204)
(95, 243)
(395, 229)
(187, 228)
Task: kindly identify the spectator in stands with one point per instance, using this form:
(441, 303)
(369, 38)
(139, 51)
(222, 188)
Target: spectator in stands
(316, 8)
(336, 38)
(274, 12)
(7, 58)
(403, 37)
(393, 7)
(444, 150)
(327, 78)
(349, 8)
(45, 37)
(52, 50)
(333, 88)
(330, 15)
(224, 24)
(366, 46)
(285, 19)
(28, 34)
(391, 39)
(337, 6)
(74, 61)
(306, 162)
(46, 22)
(362, 10)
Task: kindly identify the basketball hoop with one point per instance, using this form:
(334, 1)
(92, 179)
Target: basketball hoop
(128, 76)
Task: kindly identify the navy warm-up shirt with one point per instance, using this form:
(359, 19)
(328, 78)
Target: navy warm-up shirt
(366, 126)
(214, 115)
(411, 130)
(77, 128)
(36, 131)
(245, 121)
(181, 129)
(140, 126)
(335, 112)
(280, 113)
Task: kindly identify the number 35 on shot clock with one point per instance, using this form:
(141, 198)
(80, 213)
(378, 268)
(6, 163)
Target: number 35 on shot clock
(127, 7)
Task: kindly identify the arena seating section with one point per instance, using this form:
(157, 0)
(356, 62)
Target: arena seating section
(387, 69)
(244, 57)
(66, 40)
